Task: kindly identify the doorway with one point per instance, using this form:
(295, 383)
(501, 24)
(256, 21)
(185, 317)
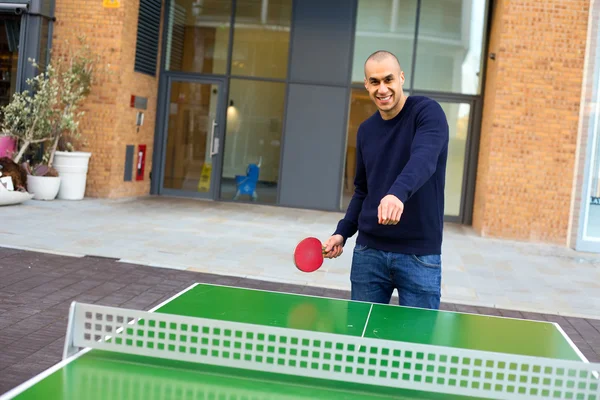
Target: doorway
(10, 32)
(191, 151)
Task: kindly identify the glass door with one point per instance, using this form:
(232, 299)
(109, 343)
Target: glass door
(192, 138)
(459, 116)
(462, 113)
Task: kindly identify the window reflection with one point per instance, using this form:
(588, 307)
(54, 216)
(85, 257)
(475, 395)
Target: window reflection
(253, 141)
(198, 36)
(384, 25)
(458, 115)
(592, 209)
(261, 38)
(450, 45)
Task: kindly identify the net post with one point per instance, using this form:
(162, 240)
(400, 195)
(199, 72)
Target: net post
(69, 348)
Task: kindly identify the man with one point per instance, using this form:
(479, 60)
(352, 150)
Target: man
(398, 203)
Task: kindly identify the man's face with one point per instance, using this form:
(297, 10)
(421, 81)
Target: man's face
(383, 81)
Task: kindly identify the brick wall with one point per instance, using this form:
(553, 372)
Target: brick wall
(530, 119)
(109, 124)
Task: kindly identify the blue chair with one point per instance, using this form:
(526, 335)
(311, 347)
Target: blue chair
(246, 184)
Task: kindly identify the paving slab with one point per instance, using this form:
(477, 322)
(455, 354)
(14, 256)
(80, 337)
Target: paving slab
(253, 241)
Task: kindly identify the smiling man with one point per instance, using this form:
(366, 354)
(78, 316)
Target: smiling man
(398, 203)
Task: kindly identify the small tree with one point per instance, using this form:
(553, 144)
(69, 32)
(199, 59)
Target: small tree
(28, 117)
(51, 109)
(76, 78)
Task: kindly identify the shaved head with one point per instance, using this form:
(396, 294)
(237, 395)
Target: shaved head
(379, 56)
(383, 80)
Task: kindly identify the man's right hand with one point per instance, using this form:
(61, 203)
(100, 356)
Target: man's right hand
(334, 246)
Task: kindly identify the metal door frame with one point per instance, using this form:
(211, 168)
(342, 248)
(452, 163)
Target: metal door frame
(218, 136)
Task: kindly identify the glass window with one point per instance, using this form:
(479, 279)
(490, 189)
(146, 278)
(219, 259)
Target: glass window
(253, 140)
(198, 36)
(586, 218)
(361, 108)
(458, 116)
(591, 210)
(261, 38)
(449, 46)
(10, 27)
(592, 221)
(384, 25)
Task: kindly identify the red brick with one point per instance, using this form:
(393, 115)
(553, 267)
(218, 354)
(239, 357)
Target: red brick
(530, 119)
(109, 124)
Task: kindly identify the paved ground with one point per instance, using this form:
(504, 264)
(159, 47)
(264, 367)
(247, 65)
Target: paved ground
(36, 290)
(256, 242)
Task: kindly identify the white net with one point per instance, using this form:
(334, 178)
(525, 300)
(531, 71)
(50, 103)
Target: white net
(318, 355)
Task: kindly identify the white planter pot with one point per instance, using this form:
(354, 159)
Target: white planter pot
(72, 168)
(43, 187)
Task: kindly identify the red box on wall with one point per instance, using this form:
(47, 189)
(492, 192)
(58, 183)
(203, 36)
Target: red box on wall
(141, 163)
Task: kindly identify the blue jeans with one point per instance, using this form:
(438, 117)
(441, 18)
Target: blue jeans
(375, 274)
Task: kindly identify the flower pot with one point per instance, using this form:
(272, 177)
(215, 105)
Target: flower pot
(43, 187)
(11, 197)
(8, 146)
(72, 168)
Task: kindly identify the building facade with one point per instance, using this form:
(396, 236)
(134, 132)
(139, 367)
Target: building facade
(260, 100)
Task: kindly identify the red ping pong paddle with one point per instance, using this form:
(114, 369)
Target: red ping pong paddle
(308, 255)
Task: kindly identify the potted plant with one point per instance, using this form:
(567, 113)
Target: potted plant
(42, 181)
(28, 118)
(49, 114)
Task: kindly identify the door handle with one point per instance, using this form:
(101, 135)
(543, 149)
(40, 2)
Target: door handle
(214, 141)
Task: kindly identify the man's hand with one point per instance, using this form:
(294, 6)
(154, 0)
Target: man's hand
(389, 211)
(334, 246)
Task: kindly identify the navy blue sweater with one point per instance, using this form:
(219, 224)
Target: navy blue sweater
(404, 156)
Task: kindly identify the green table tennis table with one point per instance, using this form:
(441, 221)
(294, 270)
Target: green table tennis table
(219, 342)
